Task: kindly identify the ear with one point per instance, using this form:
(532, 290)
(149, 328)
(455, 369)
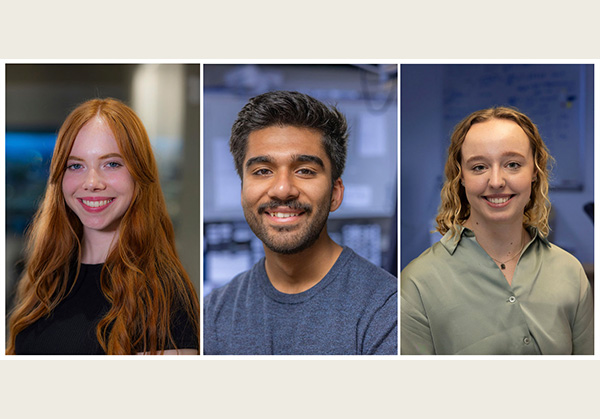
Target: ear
(337, 194)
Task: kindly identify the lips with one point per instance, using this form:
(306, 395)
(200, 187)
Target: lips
(95, 204)
(498, 201)
(282, 214)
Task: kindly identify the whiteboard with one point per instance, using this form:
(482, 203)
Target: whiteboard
(551, 95)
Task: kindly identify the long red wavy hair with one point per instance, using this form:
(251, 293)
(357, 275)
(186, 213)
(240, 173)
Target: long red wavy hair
(142, 277)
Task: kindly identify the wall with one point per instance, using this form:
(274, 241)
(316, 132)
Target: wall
(40, 96)
(423, 145)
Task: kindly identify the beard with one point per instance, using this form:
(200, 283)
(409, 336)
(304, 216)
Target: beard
(288, 240)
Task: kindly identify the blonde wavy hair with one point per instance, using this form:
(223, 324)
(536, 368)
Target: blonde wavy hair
(455, 209)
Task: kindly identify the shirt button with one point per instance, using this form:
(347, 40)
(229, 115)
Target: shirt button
(512, 299)
(526, 340)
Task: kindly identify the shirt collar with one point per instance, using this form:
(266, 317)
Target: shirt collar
(450, 241)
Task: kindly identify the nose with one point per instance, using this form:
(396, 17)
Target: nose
(283, 187)
(93, 181)
(496, 180)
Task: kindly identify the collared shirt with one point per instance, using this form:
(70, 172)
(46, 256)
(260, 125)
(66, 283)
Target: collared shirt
(455, 300)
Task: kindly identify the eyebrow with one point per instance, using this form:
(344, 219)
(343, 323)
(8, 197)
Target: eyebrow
(309, 159)
(508, 154)
(294, 158)
(259, 159)
(106, 156)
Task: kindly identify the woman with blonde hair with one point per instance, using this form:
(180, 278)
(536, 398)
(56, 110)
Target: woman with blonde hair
(494, 284)
(102, 273)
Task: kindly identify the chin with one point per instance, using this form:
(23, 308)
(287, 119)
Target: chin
(287, 248)
(504, 220)
(294, 245)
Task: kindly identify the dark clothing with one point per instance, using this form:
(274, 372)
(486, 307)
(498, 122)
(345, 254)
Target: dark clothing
(71, 327)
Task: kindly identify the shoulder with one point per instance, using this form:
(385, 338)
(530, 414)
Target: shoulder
(556, 257)
(367, 289)
(240, 281)
(366, 275)
(359, 264)
(239, 285)
(430, 261)
(553, 258)
(553, 251)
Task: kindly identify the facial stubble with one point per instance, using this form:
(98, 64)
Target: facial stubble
(283, 239)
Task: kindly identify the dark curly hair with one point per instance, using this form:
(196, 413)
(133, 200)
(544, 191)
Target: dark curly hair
(283, 108)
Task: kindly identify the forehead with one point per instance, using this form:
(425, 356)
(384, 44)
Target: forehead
(496, 136)
(285, 142)
(95, 135)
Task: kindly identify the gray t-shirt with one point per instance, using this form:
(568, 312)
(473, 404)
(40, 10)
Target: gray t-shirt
(351, 311)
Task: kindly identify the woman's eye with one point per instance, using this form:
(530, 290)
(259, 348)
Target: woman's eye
(113, 164)
(478, 168)
(513, 165)
(74, 166)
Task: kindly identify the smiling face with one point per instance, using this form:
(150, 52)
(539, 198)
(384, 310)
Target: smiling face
(97, 185)
(287, 192)
(497, 171)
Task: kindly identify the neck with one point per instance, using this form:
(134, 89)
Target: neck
(500, 241)
(97, 245)
(292, 274)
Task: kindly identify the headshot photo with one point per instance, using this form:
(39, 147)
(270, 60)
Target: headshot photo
(497, 225)
(102, 216)
(300, 210)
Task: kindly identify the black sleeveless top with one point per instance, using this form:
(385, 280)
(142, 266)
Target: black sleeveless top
(71, 327)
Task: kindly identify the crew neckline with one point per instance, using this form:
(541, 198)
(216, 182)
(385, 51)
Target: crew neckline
(281, 297)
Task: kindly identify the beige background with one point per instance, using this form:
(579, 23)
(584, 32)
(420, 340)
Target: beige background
(307, 387)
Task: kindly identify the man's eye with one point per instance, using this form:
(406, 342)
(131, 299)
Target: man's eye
(306, 172)
(261, 172)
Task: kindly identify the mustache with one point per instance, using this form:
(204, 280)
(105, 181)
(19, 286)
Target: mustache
(292, 204)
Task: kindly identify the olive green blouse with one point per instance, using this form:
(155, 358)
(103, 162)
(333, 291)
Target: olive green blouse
(455, 300)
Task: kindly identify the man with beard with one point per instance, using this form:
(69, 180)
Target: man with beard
(309, 295)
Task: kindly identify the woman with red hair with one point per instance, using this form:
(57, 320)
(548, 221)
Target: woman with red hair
(102, 272)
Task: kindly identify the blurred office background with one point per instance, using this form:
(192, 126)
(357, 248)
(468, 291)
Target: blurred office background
(366, 221)
(560, 101)
(166, 97)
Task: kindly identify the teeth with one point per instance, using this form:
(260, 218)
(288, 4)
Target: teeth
(498, 200)
(282, 214)
(96, 204)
